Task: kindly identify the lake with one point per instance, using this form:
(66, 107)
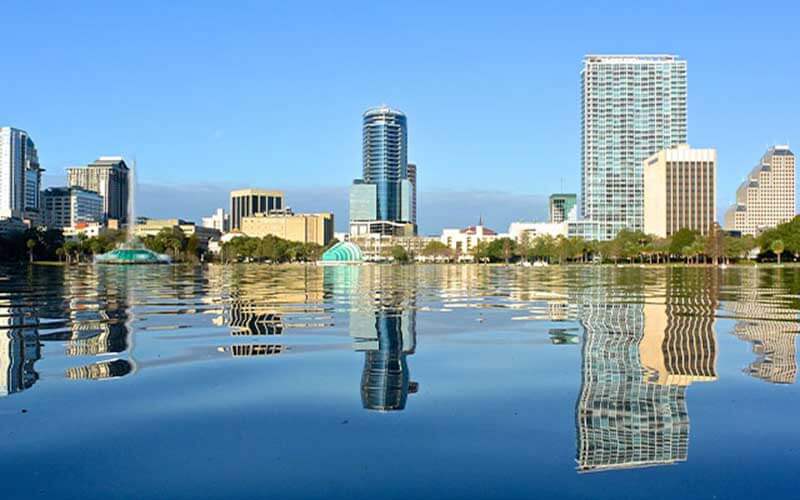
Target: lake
(379, 381)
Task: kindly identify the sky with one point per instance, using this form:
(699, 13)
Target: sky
(212, 96)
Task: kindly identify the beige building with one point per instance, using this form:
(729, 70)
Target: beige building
(305, 228)
(151, 227)
(377, 247)
(767, 197)
(248, 202)
(680, 190)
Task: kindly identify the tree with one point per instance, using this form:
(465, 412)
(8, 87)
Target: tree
(399, 254)
(436, 249)
(777, 248)
(31, 244)
(681, 241)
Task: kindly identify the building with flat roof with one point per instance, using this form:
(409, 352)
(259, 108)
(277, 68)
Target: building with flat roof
(247, 202)
(631, 107)
(303, 228)
(767, 197)
(109, 177)
(66, 207)
(680, 190)
(563, 207)
(220, 221)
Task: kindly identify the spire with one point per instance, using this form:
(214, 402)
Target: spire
(480, 220)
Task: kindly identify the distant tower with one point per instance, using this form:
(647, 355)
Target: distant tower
(109, 177)
(412, 178)
(20, 174)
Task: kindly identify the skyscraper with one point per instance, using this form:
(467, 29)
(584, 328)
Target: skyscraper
(767, 197)
(20, 174)
(680, 191)
(109, 177)
(385, 166)
(632, 106)
(412, 177)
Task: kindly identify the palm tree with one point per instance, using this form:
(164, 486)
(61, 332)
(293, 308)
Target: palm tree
(777, 248)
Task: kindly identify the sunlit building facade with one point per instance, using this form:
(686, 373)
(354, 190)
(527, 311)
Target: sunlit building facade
(109, 177)
(20, 175)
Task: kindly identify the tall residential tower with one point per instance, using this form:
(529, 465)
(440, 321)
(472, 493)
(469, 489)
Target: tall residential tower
(20, 174)
(632, 106)
(385, 166)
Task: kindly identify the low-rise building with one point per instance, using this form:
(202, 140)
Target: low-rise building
(88, 229)
(151, 227)
(519, 231)
(220, 221)
(303, 228)
(463, 241)
(377, 247)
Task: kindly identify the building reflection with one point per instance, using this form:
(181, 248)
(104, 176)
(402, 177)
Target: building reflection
(19, 347)
(769, 324)
(639, 357)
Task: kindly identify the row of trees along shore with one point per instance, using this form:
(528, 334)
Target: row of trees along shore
(778, 244)
(687, 246)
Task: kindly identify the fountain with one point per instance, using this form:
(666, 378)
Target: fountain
(132, 251)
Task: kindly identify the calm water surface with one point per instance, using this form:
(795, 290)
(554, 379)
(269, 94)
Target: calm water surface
(398, 382)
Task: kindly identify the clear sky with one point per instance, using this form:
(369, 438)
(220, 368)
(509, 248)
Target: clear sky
(216, 95)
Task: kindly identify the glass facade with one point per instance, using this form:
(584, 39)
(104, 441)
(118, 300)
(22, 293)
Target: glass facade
(385, 157)
(363, 202)
(632, 107)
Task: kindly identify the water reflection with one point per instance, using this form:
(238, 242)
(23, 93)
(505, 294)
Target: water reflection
(645, 335)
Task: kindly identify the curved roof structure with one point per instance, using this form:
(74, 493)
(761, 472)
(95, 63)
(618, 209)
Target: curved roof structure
(132, 256)
(344, 251)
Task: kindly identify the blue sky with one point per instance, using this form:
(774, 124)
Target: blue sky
(215, 95)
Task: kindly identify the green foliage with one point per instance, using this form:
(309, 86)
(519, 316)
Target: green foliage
(436, 249)
(399, 254)
(681, 241)
(788, 234)
(32, 242)
(269, 249)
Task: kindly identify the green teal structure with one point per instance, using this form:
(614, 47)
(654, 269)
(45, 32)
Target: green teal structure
(343, 252)
(132, 256)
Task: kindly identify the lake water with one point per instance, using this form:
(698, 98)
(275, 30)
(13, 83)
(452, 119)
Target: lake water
(398, 382)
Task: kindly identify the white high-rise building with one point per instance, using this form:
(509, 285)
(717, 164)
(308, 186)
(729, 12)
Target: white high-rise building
(632, 106)
(20, 174)
(767, 197)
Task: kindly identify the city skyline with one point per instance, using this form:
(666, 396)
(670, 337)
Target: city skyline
(470, 142)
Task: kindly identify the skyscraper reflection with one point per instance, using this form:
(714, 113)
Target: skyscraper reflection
(19, 347)
(638, 359)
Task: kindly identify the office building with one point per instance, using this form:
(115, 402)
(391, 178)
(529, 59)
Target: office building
(520, 231)
(563, 207)
(109, 177)
(631, 107)
(464, 241)
(385, 168)
(680, 191)
(767, 197)
(20, 175)
(219, 221)
(303, 228)
(247, 202)
(66, 207)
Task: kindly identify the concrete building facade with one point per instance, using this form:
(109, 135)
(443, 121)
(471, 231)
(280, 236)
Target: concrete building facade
(303, 228)
(767, 197)
(108, 176)
(563, 207)
(66, 207)
(248, 202)
(20, 175)
(680, 191)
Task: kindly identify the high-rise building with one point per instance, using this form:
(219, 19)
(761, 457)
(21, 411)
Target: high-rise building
(385, 166)
(412, 177)
(247, 202)
(20, 174)
(632, 106)
(66, 207)
(219, 221)
(563, 207)
(767, 197)
(680, 190)
(109, 177)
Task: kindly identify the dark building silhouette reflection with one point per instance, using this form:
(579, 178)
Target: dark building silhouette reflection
(102, 370)
(385, 381)
(638, 360)
(19, 347)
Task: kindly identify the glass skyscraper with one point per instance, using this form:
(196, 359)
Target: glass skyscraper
(385, 166)
(632, 106)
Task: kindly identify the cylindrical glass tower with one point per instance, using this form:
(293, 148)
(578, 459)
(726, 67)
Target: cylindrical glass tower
(385, 158)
